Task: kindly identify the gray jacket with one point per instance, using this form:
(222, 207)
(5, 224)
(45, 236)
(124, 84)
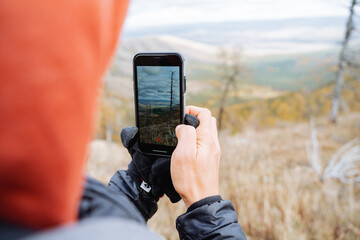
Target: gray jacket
(120, 211)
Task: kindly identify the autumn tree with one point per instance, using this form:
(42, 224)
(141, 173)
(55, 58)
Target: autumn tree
(171, 93)
(343, 60)
(231, 73)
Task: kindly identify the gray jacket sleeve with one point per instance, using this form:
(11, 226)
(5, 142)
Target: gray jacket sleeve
(122, 198)
(104, 213)
(211, 218)
(143, 201)
(217, 220)
(98, 200)
(104, 228)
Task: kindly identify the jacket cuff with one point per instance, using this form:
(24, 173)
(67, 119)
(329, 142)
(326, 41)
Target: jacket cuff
(217, 220)
(205, 201)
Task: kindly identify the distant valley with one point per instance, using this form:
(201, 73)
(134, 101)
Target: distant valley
(279, 55)
(259, 38)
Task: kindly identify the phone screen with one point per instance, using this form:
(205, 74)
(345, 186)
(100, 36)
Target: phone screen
(159, 107)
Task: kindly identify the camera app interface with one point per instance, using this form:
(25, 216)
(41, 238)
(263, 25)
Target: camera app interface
(158, 103)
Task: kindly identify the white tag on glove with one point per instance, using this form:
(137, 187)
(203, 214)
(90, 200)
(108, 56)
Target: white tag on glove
(146, 187)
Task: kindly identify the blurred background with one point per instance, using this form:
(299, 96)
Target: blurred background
(283, 80)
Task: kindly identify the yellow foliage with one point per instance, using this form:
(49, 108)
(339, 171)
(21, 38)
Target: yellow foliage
(293, 106)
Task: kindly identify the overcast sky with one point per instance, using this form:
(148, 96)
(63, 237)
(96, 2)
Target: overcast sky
(146, 13)
(154, 84)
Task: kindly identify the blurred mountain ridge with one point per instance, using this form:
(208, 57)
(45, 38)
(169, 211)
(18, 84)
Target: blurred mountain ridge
(258, 37)
(289, 71)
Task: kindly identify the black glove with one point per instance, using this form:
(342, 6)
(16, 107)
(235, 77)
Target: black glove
(151, 173)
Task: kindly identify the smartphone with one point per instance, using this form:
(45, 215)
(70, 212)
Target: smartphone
(159, 90)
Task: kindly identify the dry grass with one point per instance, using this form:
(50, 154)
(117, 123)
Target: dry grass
(267, 176)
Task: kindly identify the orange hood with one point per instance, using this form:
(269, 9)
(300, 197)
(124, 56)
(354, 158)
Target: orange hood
(52, 57)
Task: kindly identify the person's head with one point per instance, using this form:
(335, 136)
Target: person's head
(52, 57)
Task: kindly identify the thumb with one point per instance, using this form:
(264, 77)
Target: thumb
(128, 135)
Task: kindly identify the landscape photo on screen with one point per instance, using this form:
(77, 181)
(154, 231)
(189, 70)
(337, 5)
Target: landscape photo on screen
(158, 103)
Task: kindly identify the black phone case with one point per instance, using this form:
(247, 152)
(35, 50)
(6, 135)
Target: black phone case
(158, 150)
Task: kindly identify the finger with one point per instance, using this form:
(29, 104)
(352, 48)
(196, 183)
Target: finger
(186, 136)
(215, 132)
(127, 135)
(161, 166)
(172, 194)
(204, 116)
(214, 127)
(157, 191)
(191, 120)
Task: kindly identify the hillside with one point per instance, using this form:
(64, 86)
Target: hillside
(193, 51)
(285, 36)
(294, 72)
(279, 88)
(267, 176)
(292, 106)
(287, 78)
(307, 70)
(253, 104)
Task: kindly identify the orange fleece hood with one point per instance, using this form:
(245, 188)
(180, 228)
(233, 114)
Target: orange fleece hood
(52, 57)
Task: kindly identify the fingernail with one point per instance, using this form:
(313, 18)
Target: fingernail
(178, 127)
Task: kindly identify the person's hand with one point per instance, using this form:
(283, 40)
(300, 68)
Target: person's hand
(195, 161)
(151, 173)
